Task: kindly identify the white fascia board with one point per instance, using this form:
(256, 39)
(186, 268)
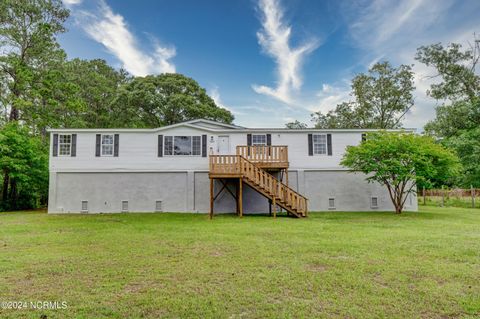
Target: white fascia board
(232, 130)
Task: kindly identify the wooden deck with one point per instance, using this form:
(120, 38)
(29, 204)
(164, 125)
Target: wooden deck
(245, 171)
(267, 157)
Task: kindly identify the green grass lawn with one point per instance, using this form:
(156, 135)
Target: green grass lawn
(345, 265)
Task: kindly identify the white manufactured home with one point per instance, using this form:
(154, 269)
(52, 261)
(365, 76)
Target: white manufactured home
(203, 166)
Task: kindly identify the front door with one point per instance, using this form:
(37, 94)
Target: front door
(223, 145)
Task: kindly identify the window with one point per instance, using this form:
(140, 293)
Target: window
(124, 205)
(331, 203)
(107, 144)
(64, 144)
(259, 139)
(320, 144)
(183, 145)
(196, 145)
(84, 206)
(158, 206)
(168, 145)
(374, 202)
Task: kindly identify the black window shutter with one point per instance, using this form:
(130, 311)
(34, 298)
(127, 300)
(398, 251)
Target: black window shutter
(73, 152)
(204, 145)
(115, 145)
(249, 139)
(160, 146)
(269, 139)
(55, 145)
(97, 144)
(364, 137)
(329, 144)
(310, 145)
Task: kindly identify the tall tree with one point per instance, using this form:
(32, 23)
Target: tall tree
(457, 86)
(381, 99)
(158, 100)
(97, 86)
(467, 146)
(27, 39)
(296, 125)
(24, 158)
(456, 69)
(53, 100)
(401, 161)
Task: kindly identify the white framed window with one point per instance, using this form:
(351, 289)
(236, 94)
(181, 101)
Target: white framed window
(182, 145)
(259, 139)
(320, 144)
(107, 145)
(168, 145)
(64, 144)
(196, 145)
(374, 202)
(331, 203)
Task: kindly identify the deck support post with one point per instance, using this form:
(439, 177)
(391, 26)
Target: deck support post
(274, 207)
(211, 198)
(240, 197)
(237, 191)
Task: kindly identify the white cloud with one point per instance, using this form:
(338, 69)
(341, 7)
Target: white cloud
(72, 2)
(274, 38)
(215, 95)
(393, 30)
(329, 96)
(111, 30)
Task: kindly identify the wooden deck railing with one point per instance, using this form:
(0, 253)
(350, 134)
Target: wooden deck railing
(224, 165)
(275, 156)
(238, 166)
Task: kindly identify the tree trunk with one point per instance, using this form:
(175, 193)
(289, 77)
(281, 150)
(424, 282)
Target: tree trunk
(6, 181)
(13, 194)
(398, 204)
(13, 114)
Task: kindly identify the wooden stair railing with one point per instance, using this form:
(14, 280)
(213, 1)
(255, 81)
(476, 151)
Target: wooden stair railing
(263, 182)
(265, 155)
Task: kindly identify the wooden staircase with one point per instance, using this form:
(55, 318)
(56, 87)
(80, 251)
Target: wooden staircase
(237, 166)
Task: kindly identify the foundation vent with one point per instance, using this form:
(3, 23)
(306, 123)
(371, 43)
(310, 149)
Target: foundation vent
(374, 202)
(124, 205)
(158, 206)
(84, 206)
(331, 203)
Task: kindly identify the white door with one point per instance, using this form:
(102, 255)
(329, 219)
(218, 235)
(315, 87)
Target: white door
(223, 145)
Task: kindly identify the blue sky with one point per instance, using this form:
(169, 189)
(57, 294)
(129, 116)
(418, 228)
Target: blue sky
(270, 61)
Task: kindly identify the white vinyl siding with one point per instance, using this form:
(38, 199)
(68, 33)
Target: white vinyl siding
(259, 139)
(107, 145)
(183, 145)
(64, 144)
(320, 144)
